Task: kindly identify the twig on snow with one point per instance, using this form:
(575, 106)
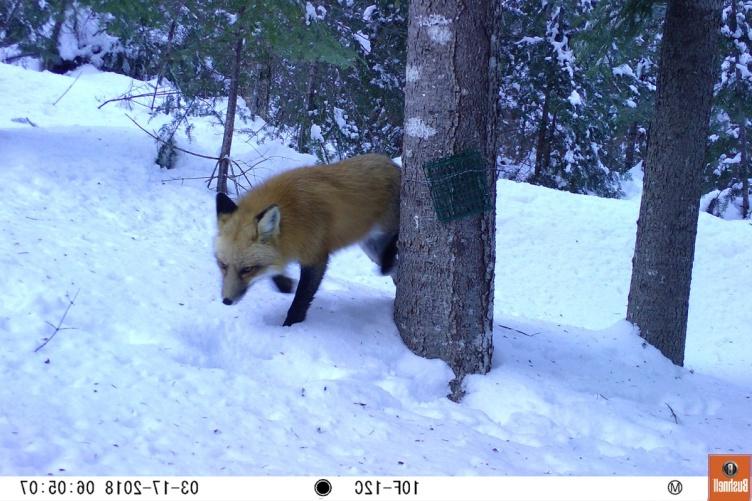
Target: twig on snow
(59, 327)
(673, 414)
(518, 331)
(66, 90)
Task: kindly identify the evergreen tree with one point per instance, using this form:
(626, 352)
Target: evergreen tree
(549, 111)
(732, 115)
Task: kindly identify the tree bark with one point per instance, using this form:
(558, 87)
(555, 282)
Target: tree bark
(51, 60)
(744, 167)
(629, 161)
(667, 226)
(304, 134)
(232, 102)
(445, 281)
(258, 94)
(541, 148)
(167, 53)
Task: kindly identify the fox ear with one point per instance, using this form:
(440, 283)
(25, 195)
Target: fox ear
(225, 205)
(268, 222)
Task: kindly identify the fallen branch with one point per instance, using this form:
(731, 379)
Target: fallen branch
(66, 90)
(676, 419)
(517, 330)
(59, 327)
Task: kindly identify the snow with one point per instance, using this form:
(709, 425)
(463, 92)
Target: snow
(623, 69)
(437, 28)
(151, 374)
(416, 127)
(314, 13)
(363, 41)
(574, 98)
(316, 134)
(368, 13)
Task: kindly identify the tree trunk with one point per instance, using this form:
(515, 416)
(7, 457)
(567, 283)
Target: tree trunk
(304, 135)
(445, 281)
(666, 230)
(167, 53)
(541, 146)
(258, 97)
(11, 14)
(744, 167)
(232, 102)
(629, 161)
(51, 60)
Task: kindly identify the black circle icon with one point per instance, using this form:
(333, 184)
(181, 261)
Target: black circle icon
(730, 468)
(322, 487)
(675, 487)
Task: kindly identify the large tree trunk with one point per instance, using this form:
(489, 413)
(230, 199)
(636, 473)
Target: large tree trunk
(666, 230)
(232, 102)
(444, 303)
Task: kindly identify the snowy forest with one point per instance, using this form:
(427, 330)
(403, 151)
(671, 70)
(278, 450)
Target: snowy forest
(577, 88)
(567, 333)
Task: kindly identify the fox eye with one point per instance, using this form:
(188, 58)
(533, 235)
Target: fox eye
(249, 270)
(222, 266)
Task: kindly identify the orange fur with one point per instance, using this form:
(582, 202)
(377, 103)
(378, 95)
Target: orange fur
(323, 208)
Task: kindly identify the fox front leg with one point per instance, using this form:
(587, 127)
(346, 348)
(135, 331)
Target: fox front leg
(310, 279)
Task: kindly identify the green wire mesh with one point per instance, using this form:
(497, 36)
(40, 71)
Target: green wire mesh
(458, 185)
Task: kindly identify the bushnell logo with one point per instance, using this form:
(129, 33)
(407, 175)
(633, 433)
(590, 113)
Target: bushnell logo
(730, 469)
(729, 477)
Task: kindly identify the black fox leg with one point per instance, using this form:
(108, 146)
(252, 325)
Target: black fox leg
(284, 284)
(310, 279)
(389, 255)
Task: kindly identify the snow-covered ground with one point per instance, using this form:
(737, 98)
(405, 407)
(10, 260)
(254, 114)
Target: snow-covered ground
(151, 374)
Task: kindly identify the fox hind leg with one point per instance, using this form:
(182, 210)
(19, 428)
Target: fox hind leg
(284, 284)
(389, 255)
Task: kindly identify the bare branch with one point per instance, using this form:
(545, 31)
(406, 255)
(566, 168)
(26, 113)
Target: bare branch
(66, 90)
(673, 414)
(59, 327)
(157, 138)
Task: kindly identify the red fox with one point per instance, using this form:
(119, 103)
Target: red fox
(303, 215)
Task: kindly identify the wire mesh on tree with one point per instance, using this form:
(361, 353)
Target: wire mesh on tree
(458, 185)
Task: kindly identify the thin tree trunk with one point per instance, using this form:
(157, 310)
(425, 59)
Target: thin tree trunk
(304, 134)
(744, 167)
(10, 16)
(232, 102)
(444, 301)
(166, 55)
(664, 249)
(258, 98)
(52, 58)
(629, 160)
(540, 148)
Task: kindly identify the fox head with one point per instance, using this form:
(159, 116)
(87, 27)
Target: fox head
(245, 247)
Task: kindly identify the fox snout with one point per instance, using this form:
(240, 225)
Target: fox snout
(233, 290)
